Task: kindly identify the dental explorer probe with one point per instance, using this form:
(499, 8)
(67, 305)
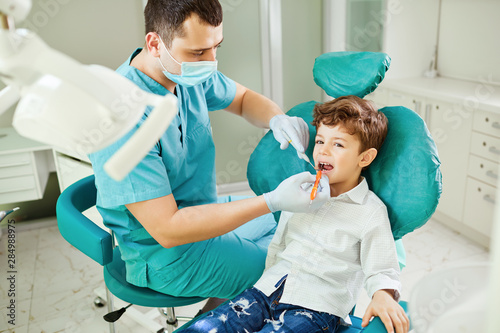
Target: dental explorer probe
(301, 155)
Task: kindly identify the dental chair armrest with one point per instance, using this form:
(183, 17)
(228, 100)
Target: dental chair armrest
(376, 325)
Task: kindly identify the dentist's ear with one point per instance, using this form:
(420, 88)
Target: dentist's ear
(153, 44)
(367, 157)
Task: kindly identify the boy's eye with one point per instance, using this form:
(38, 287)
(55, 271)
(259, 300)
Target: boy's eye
(319, 142)
(338, 145)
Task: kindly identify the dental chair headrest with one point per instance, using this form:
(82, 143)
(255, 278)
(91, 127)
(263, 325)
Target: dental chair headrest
(350, 73)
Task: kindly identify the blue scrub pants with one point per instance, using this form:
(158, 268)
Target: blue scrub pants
(229, 264)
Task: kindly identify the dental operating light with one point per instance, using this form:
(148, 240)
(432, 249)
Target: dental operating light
(75, 107)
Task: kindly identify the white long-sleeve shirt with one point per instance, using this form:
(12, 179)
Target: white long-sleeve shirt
(327, 255)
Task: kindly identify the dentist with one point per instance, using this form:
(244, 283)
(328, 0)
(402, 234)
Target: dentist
(173, 234)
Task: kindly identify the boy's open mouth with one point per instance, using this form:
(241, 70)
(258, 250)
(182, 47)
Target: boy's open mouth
(325, 166)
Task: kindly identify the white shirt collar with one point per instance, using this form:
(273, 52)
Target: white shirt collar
(356, 195)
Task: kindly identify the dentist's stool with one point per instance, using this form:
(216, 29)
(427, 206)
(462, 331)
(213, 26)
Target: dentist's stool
(97, 244)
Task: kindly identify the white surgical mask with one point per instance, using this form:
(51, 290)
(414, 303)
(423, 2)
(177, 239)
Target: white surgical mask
(192, 72)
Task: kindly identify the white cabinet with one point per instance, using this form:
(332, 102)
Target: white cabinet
(406, 99)
(479, 208)
(452, 140)
(483, 172)
(394, 97)
(24, 167)
(71, 168)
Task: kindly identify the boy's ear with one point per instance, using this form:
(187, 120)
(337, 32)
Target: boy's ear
(367, 157)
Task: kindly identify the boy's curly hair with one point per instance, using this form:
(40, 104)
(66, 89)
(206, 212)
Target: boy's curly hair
(358, 116)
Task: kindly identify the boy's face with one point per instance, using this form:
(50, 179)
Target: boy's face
(337, 153)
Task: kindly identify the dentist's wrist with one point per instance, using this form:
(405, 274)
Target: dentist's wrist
(275, 118)
(267, 197)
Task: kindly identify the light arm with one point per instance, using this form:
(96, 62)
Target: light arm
(82, 108)
(8, 97)
(134, 150)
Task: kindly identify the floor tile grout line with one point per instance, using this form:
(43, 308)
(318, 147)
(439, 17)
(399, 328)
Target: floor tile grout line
(34, 278)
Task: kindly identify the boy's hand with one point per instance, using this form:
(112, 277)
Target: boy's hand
(388, 310)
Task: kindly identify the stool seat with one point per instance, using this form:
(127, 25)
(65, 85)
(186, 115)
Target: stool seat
(114, 277)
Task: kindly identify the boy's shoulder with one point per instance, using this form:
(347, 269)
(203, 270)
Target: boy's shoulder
(374, 199)
(376, 206)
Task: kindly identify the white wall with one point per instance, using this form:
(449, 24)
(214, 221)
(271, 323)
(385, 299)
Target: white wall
(410, 36)
(302, 44)
(240, 58)
(469, 44)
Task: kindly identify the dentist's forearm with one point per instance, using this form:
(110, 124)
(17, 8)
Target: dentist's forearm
(171, 226)
(254, 107)
(197, 223)
(258, 109)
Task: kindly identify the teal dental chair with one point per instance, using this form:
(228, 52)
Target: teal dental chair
(405, 174)
(98, 244)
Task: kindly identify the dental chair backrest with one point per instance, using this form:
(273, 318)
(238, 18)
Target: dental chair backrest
(405, 174)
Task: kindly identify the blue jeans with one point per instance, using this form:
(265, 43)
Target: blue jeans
(252, 311)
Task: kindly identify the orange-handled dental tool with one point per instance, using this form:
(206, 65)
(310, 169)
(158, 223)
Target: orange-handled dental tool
(315, 187)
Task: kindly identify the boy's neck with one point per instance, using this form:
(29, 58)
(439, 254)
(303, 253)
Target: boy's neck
(337, 189)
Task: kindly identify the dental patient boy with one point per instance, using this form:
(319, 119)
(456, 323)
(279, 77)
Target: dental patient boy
(317, 262)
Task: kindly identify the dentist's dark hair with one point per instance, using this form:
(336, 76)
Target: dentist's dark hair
(166, 17)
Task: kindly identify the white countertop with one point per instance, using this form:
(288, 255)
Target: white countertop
(74, 154)
(13, 142)
(480, 95)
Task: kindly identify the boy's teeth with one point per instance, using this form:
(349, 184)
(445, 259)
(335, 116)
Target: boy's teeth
(325, 166)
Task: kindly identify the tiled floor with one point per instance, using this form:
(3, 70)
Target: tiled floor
(55, 282)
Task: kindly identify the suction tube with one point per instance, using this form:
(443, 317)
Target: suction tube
(4, 213)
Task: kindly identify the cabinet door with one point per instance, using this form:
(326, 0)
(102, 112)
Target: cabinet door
(380, 97)
(451, 128)
(480, 206)
(70, 170)
(412, 102)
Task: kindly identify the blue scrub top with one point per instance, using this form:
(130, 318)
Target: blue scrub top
(181, 163)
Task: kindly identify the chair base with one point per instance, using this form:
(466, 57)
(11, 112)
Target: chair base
(147, 320)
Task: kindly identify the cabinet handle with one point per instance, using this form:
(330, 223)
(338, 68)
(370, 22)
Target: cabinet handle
(494, 150)
(427, 116)
(417, 106)
(496, 125)
(491, 174)
(489, 199)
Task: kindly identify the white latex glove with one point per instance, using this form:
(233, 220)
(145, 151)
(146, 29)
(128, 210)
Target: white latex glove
(290, 195)
(296, 129)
